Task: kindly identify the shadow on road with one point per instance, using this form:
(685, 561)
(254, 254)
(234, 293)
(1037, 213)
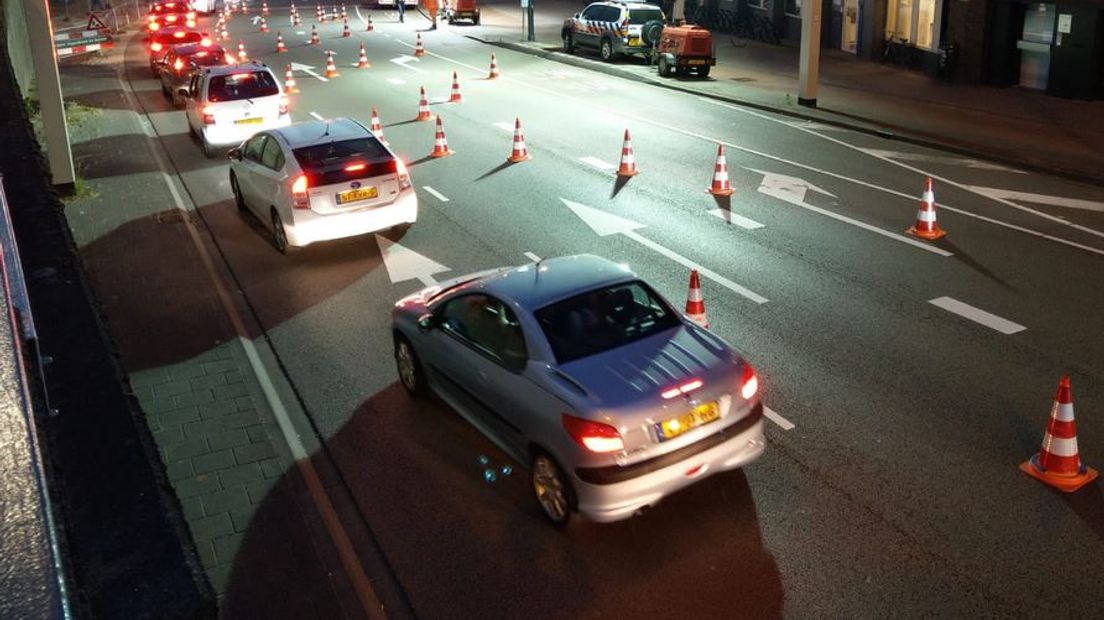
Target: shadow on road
(965, 258)
(1088, 503)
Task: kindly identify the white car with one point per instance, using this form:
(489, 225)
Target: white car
(321, 180)
(226, 105)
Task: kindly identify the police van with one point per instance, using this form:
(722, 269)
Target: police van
(614, 28)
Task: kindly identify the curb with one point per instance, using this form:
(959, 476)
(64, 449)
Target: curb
(871, 128)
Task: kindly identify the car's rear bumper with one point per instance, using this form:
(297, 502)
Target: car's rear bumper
(233, 135)
(606, 496)
(310, 227)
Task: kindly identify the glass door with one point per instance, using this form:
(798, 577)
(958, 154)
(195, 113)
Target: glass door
(1040, 20)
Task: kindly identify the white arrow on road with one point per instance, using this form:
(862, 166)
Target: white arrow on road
(793, 190)
(1040, 199)
(308, 70)
(958, 161)
(405, 264)
(403, 59)
(606, 224)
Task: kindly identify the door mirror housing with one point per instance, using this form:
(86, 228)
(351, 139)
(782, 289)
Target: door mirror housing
(234, 153)
(427, 322)
(184, 92)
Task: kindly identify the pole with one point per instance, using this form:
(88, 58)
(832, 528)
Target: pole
(809, 71)
(529, 11)
(48, 91)
(678, 11)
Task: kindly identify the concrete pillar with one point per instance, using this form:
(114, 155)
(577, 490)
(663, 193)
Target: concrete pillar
(48, 91)
(809, 68)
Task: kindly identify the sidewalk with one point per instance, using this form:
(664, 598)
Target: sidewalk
(1011, 125)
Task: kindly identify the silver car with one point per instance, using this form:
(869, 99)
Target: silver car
(578, 368)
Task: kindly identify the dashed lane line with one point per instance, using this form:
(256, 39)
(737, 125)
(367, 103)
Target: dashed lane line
(600, 164)
(736, 218)
(504, 126)
(773, 416)
(977, 315)
(533, 257)
(436, 194)
(317, 116)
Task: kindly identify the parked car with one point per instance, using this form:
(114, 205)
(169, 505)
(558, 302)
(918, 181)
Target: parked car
(578, 368)
(321, 180)
(230, 103)
(176, 69)
(614, 28)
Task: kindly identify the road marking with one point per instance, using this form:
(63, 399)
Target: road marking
(402, 61)
(605, 224)
(317, 116)
(533, 257)
(436, 194)
(309, 70)
(396, 81)
(504, 126)
(737, 219)
(404, 264)
(977, 315)
(773, 416)
(940, 159)
(597, 163)
(1043, 199)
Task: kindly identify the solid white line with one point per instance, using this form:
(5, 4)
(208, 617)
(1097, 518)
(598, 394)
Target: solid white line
(1045, 199)
(436, 194)
(737, 219)
(773, 416)
(317, 116)
(597, 163)
(533, 257)
(686, 262)
(504, 126)
(402, 63)
(977, 315)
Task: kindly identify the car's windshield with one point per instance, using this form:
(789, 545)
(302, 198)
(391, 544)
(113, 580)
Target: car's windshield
(246, 85)
(604, 319)
(643, 16)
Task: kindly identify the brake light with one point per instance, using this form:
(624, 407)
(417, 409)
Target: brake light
(749, 383)
(229, 58)
(354, 167)
(170, 18)
(157, 47)
(284, 107)
(299, 197)
(178, 65)
(179, 34)
(687, 387)
(404, 176)
(594, 436)
(154, 26)
(208, 115)
(205, 42)
(191, 15)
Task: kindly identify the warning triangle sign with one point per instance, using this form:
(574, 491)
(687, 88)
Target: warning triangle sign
(95, 23)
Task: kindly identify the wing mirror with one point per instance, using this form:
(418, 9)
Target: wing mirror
(234, 153)
(427, 322)
(184, 92)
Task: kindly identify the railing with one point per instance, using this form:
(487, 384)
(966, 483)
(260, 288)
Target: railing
(32, 574)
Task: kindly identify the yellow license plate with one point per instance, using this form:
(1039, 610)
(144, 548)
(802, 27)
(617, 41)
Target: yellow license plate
(248, 121)
(634, 41)
(698, 416)
(354, 195)
(695, 62)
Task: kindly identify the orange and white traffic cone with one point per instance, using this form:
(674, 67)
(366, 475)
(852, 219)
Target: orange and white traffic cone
(264, 25)
(264, 8)
(331, 67)
(440, 144)
(627, 168)
(314, 36)
(455, 96)
(295, 19)
(362, 62)
(225, 33)
(319, 15)
(695, 304)
(280, 47)
(520, 152)
(376, 128)
(1058, 462)
(424, 113)
(244, 8)
(242, 57)
(370, 27)
(926, 226)
(345, 32)
(720, 186)
(289, 82)
(419, 49)
(344, 15)
(494, 68)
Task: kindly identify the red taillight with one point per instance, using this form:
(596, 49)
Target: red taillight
(284, 107)
(354, 167)
(205, 42)
(689, 386)
(299, 197)
(179, 34)
(178, 65)
(229, 58)
(749, 383)
(208, 115)
(404, 176)
(593, 436)
(157, 47)
(170, 18)
(154, 26)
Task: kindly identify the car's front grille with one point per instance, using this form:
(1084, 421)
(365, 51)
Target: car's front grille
(613, 474)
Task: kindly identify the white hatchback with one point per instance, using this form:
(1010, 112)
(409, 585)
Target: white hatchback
(321, 180)
(227, 104)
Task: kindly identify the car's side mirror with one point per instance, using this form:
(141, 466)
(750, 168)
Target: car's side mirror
(234, 153)
(577, 15)
(184, 92)
(427, 322)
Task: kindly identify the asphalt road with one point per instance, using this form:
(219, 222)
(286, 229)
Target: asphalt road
(895, 493)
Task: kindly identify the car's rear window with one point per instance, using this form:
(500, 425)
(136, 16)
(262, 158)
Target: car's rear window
(185, 36)
(604, 319)
(643, 16)
(244, 85)
(208, 58)
(343, 160)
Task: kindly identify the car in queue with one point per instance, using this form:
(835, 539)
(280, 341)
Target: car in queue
(227, 104)
(578, 368)
(164, 14)
(176, 69)
(160, 42)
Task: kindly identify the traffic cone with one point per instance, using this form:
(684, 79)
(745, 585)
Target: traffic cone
(1058, 462)
(244, 8)
(331, 67)
(424, 114)
(520, 152)
(695, 304)
(926, 226)
(720, 186)
(628, 160)
(280, 47)
(225, 33)
(319, 15)
(440, 145)
(419, 49)
(362, 62)
(264, 8)
(376, 128)
(455, 96)
(344, 15)
(370, 27)
(494, 68)
(242, 57)
(295, 19)
(314, 36)
(264, 25)
(345, 32)
(289, 81)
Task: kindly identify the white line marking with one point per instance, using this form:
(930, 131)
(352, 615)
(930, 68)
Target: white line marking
(597, 163)
(504, 126)
(977, 315)
(402, 60)
(737, 219)
(533, 257)
(396, 81)
(436, 194)
(689, 264)
(1043, 199)
(773, 416)
(317, 116)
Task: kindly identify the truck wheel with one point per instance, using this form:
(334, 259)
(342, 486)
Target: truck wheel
(664, 67)
(606, 51)
(703, 71)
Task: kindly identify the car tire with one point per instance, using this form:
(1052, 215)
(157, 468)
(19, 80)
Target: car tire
(664, 67)
(279, 235)
(209, 151)
(410, 369)
(553, 491)
(606, 50)
(476, 21)
(568, 43)
(703, 71)
(239, 200)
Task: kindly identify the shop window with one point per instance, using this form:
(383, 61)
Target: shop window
(914, 21)
(793, 8)
(925, 23)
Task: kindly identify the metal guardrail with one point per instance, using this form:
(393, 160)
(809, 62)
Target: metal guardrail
(32, 574)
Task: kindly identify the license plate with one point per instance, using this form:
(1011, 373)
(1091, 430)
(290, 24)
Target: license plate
(354, 195)
(249, 121)
(695, 62)
(634, 41)
(698, 416)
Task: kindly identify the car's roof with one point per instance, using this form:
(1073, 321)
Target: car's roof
(630, 5)
(308, 133)
(187, 49)
(253, 65)
(536, 285)
(169, 31)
